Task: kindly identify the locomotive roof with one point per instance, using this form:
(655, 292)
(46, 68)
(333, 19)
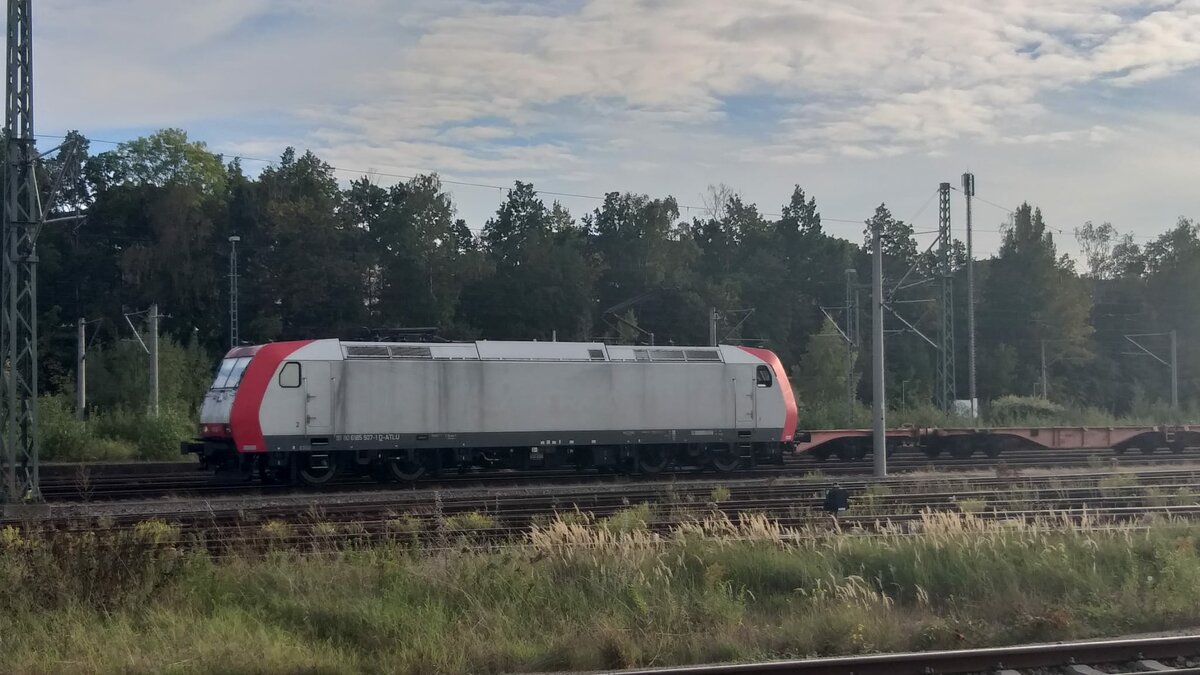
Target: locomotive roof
(488, 350)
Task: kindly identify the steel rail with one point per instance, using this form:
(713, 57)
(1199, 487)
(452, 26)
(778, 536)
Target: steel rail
(107, 482)
(958, 661)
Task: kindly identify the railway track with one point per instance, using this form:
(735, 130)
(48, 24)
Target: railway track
(91, 482)
(503, 516)
(1174, 654)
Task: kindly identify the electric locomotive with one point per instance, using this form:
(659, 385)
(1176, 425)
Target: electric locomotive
(307, 411)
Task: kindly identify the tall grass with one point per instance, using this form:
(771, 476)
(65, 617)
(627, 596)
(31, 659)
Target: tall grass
(575, 594)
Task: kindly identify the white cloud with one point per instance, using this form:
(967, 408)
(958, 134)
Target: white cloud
(609, 91)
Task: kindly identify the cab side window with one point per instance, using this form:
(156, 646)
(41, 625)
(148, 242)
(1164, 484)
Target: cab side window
(763, 376)
(289, 377)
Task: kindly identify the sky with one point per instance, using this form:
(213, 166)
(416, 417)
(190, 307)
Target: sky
(1085, 108)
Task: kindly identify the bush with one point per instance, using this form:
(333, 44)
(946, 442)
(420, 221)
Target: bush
(111, 450)
(64, 438)
(152, 437)
(161, 435)
(625, 521)
(1023, 411)
(109, 436)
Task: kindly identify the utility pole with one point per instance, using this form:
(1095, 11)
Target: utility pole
(1173, 363)
(1174, 371)
(968, 184)
(878, 403)
(851, 336)
(233, 291)
(947, 388)
(712, 326)
(81, 370)
(153, 348)
(1045, 386)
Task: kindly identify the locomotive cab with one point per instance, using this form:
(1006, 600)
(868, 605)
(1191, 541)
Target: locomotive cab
(215, 438)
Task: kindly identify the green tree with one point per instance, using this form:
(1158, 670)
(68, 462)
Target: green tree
(642, 253)
(163, 158)
(822, 373)
(314, 255)
(540, 281)
(1030, 295)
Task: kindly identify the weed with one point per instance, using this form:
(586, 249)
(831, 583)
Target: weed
(1003, 470)
(719, 494)
(971, 505)
(1117, 485)
(469, 521)
(814, 477)
(276, 531)
(156, 532)
(404, 524)
(633, 519)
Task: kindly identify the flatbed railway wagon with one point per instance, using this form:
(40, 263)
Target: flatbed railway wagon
(306, 411)
(855, 444)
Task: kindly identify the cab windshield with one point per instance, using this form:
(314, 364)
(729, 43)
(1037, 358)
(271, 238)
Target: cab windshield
(229, 375)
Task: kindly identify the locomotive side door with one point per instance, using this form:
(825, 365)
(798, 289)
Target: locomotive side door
(318, 404)
(744, 402)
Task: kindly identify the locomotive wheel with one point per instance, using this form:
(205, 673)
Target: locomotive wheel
(653, 459)
(405, 470)
(269, 475)
(725, 460)
(313, 473)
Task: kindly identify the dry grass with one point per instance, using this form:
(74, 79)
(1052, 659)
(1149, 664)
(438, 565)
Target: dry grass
(580, 593)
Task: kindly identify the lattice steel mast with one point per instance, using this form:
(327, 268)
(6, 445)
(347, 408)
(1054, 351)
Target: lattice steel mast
(22, 220)
(945, 367)
(233, 292)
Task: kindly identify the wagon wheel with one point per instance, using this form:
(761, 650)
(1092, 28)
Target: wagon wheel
(932, 451)
(725, 460)
(404, 470)
(846, 452)
(313, 474)
(1147, 449)
(992, 451)
(653, 459)
(962, 452)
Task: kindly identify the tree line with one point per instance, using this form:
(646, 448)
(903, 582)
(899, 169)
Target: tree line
(372, 261)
